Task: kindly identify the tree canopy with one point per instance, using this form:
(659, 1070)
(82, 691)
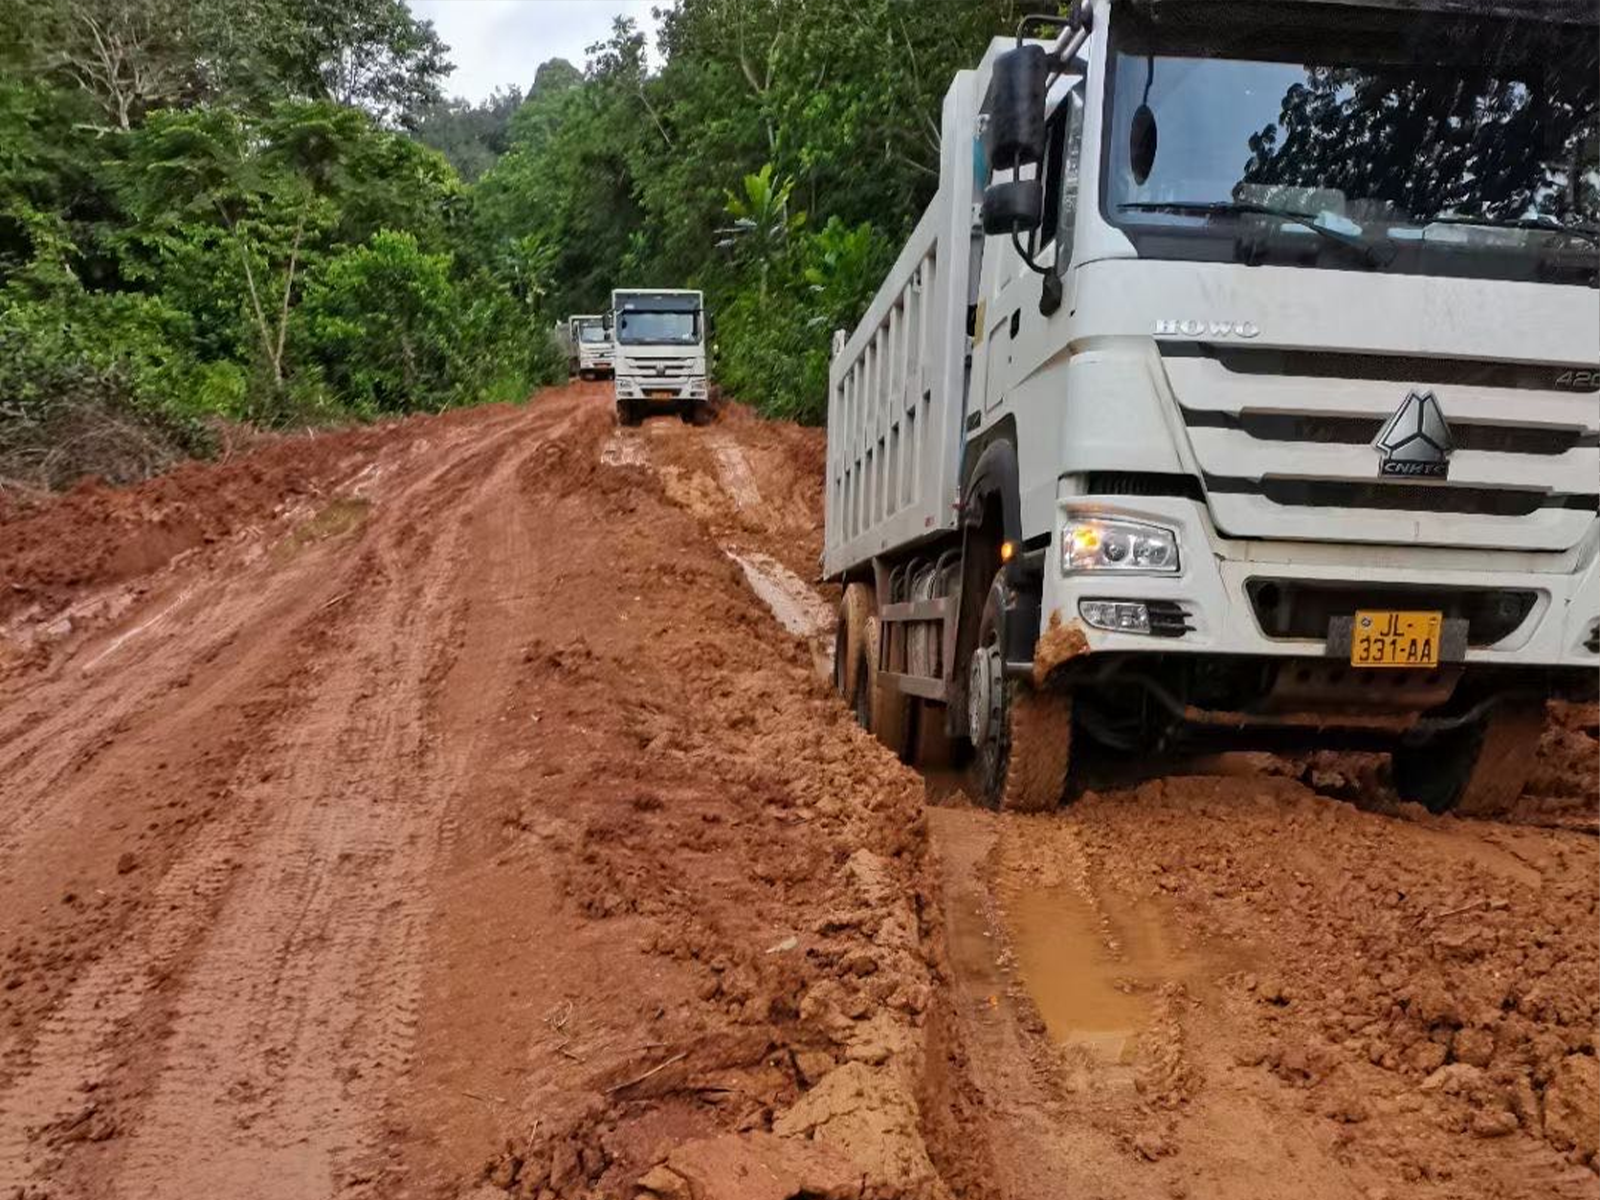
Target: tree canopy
(266, 210)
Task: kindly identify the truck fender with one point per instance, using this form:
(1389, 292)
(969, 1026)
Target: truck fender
(994, 479)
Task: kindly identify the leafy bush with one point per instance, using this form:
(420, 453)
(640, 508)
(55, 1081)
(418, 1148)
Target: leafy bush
(94, 385)
(387, 329)
(383, 324)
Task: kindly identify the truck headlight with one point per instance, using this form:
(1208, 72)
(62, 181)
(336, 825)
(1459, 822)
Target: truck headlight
(1111, 544)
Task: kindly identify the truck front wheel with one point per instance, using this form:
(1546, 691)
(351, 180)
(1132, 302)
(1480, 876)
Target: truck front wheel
(1478, 770)
(1021, 736)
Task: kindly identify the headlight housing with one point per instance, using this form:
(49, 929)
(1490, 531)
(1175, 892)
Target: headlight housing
(1094, 543)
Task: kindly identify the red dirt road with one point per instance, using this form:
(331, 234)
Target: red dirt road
(456, 808)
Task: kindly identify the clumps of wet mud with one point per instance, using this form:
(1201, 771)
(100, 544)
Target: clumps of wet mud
(747, 481)
(1060, 642)
(1431, 988)
(763, 855)
(1566, 774)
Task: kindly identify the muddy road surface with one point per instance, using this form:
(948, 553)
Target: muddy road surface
(457, 808)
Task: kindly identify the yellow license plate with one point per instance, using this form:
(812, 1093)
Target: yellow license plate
(660, 394)
(1383, 637)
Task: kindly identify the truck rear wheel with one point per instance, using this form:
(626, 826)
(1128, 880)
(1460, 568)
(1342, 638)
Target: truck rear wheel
(1021, 737)
(850, 674)
(1478, 770)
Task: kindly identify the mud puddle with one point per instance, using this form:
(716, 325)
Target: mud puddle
(1092, 980)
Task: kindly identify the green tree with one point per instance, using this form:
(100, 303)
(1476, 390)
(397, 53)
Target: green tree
(472, 137)
(762, 223)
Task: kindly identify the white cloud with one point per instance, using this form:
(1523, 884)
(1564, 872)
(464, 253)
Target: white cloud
(496, 43)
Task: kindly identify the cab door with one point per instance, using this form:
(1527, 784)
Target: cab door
(1017, 331)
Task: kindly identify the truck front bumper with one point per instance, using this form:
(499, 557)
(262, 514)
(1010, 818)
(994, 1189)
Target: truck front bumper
(665, 393)
(1217, 591)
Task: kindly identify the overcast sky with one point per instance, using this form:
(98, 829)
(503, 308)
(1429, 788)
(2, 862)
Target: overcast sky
(494, 43)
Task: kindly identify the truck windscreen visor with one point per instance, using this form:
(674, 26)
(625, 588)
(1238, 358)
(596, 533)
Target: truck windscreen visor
(1446, 136)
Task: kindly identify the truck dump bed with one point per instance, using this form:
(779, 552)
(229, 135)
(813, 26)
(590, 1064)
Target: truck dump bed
(898, 384)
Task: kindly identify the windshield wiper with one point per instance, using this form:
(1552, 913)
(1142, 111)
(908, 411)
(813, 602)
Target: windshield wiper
(1374, 253)
(1588, 233)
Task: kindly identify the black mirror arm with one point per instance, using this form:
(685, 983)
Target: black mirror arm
(1050, 19)
(1026, 255)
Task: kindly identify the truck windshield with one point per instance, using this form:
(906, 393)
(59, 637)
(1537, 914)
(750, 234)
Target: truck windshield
(1449, 145)
(645, 325)
(593, 332)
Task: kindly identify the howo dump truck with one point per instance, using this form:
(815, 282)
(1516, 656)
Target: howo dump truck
(591, 342)
(660, 362)
(1240, 387)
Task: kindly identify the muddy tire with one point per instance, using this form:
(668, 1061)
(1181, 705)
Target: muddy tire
(850, 670)
(627, 414)
(1022, 737)
(1477, 771)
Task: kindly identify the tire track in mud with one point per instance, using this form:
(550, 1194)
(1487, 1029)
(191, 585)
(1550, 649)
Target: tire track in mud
(323, 947)
(154, 659)
(289, 952)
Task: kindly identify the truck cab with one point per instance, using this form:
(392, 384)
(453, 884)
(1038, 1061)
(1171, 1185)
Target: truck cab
(1275, 418)
(592, 346)
(660, 363)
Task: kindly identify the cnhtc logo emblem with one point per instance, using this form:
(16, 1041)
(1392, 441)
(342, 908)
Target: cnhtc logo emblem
(1415, 442)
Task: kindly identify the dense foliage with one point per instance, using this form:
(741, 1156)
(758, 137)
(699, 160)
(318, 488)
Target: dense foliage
(264, 210)
(776, 159)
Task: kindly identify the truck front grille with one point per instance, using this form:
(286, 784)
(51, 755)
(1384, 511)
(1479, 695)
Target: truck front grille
(1361, 431)
(1390, 368)
(1296, 608)
(1403, 497)
(647, 369)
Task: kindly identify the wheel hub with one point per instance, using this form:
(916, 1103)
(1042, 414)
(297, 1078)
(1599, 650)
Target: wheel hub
(985, 694)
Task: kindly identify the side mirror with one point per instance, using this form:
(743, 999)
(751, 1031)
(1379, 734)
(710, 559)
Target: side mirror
(1015, 207)
(1015, 133)
(711, 326)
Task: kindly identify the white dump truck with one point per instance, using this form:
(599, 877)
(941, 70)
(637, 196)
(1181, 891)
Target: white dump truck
(660, 336)
(591, 345)
(1239, 387)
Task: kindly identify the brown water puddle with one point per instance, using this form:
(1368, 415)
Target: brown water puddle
(1092, 978)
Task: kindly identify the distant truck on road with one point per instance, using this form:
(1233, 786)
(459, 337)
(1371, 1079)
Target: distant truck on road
(591, 345)
(1238, 388)
(660, 362)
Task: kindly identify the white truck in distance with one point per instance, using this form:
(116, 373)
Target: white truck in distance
(660, 363)
(1236, 389)
(591, 345)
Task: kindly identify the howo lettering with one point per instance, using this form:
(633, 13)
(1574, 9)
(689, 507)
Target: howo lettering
(1226, 341)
